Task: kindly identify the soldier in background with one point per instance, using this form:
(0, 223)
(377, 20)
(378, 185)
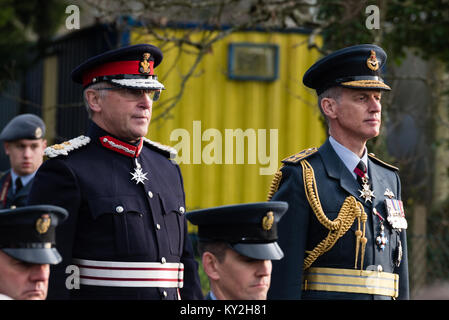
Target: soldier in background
(24, 143)
(27, 248)
(236, 245)
(126, 229)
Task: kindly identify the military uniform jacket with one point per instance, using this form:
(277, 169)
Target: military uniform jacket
(114, 219)
(299, 230)
(7, 197)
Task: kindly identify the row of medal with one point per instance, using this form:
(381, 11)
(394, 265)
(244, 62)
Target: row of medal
(395, 217)
(397, 221)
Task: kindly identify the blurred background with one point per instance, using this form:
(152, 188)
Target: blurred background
(234, 104)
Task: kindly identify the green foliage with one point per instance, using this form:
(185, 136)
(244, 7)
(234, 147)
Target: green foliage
(26, 28)
(419, 24)
(204, 280)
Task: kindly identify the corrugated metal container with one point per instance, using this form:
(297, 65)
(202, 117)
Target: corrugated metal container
(283, 111)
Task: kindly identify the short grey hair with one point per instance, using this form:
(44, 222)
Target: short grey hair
(102, 94)
(332, 93)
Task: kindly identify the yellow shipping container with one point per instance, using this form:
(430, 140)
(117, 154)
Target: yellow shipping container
(216, 114)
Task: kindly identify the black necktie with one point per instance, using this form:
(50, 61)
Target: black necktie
(19, 184)
(360, 171)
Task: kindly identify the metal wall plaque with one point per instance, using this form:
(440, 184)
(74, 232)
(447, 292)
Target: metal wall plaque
(253, 61)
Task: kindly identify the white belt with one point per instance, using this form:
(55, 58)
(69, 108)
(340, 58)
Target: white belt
(130, 274)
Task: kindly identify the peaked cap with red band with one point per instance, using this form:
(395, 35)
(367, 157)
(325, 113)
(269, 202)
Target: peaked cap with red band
(129, 67)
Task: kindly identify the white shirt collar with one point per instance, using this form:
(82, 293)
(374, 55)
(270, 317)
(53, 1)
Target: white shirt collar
(349, 158)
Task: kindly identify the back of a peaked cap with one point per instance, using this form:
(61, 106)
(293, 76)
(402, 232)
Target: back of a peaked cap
(129, 67)
(28, 233)
(355, 67)
(24, 126)
(250, 228)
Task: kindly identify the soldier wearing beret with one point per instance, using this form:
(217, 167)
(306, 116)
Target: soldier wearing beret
(126, 230)
(24, 143)
(344, 232)
(237, 244)
(27, 248)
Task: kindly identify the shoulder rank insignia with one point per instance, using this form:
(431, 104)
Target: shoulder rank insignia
(167, 150)
(65, 147)
(299, 156)
(372, 156)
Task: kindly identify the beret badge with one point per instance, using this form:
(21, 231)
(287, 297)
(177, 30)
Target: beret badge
(38, 133)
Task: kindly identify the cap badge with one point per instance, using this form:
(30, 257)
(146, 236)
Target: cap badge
(144, 64)
(267, 221)
(43, 224)
(38, 133)
(372, 61)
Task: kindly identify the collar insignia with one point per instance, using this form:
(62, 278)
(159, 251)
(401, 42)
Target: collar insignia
(121, 147)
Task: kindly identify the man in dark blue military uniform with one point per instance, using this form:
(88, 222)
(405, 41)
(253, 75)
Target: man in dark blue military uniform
(27, 248)
(126, 230)
(237, 244)
(24, 143)
(344, 232)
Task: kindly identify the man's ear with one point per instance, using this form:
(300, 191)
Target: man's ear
(92, 98)
(44, 143)
(329, 105)
(210, 265)
(6, 148)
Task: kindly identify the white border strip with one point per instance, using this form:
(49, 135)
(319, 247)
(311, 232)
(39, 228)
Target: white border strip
(130, 274)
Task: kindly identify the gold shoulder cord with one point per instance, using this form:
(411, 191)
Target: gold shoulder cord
(349, 211)
(275, 184)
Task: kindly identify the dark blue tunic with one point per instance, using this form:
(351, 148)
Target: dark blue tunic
(91, 183)
(299, 230)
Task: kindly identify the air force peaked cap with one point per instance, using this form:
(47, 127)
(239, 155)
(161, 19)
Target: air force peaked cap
(357, 67)
(28, 233)
(24, 126)
(129, 67)
(250, 229)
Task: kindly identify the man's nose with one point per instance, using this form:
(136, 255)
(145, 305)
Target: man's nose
(40, 272)
(146, 101)
(27, 152)
(264, 268)
(375, 105)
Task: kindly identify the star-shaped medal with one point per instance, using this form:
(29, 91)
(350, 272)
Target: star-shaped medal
(366, 193)
(138, 175)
